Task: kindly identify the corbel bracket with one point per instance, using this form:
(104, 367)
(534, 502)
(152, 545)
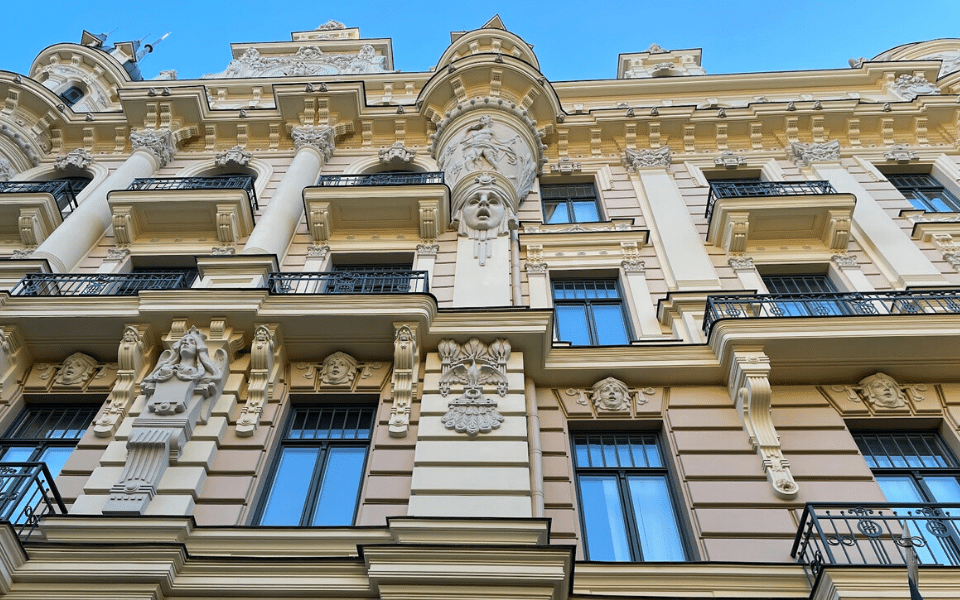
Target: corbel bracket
(750, 390)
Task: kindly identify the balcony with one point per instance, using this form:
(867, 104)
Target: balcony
(758, 216)
(398, 205)
(840, 336)
(157, 211)
(400, 178)
(876, 534)
(125, 284)
(31, 210)
(27, 493)
(386, 281)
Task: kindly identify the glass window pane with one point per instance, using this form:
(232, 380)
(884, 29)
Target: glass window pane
(18, 454)
(606, 535)
(585, 212)
(554, 212)
(656, 520)
(572, 325)
(340, 486)
(945, 489)
(900, 488)
(55, 457)
(288, 493)
(611, 330)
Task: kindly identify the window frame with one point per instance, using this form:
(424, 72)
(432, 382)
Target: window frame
(916, 473)
(315, 486)
(588, 303)
(10, 438)
(568, 201)
(622, 475)
(803, 309)
(918, 191)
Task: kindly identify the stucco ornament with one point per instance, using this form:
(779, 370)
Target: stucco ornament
(308, 60)
(949, 62)
(397, 152)
(188, 361)
(339, 369)
(265, 364)
(406, 368)
(909, 87)
(76, 368)
(729, 159)
(488, 144)
(484, 213)
(331, 25)
(610, 394)
(901, 153)
(320, 139)
(75, 159)
(158, 142)
(7, 171)
(882, 391)
(639, 159)
(130, 362)
(234, 157)
(806, 154)
(474, 364)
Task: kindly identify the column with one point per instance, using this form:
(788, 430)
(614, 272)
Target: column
(746, 272)
(895, 253)
(71, 241)
(684, 257)
(633, 272)
(278, 223)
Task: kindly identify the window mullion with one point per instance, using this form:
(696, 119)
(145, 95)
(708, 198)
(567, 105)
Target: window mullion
(316, 478)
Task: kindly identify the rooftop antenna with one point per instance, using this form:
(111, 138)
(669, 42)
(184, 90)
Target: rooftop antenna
(148, 48)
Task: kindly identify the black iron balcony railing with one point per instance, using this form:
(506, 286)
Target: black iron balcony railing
(761, 306)
(124, 284)
(63, 191)
(27, 493)
(349, 282)
(746, 188)
(223, 182)
(381, 179)
(876, 534)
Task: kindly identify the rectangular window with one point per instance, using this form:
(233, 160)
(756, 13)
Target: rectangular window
(810, 295)
(589, 312)
(627, 511)
(569, 203)
(924, 192)
(917, 467)
(319, 471)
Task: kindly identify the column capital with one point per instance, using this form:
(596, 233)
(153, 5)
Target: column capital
(159, 143)
(320, 138)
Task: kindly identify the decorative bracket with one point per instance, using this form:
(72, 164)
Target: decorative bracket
(266, 363)
(750, 389)
(131, 366)
(406, 373)
(14, 361)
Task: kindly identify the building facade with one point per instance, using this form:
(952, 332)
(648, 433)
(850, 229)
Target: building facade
(316, 327)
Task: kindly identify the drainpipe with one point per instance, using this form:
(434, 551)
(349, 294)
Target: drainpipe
(536, 453)
(515, 261)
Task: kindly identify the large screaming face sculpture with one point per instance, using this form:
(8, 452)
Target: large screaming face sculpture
(484, 210)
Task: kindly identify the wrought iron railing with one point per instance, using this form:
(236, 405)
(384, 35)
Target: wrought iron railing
(63, 191)
(876, 534)
(760, 306)
(98, 284)
(745, 188)
(381, 179)
(27, 493)
(349, 282)
(220, 182)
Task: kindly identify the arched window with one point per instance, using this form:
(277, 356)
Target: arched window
(71, 95)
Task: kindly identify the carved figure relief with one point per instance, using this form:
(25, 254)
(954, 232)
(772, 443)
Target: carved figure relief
(7, 171)
(610, 394)
(406, 373)
(131, 358)
(882, 391)
(339, 369)
(180, 392)
(76, 369)
(75, 159)
(397, 153)
(805, 154)
(474, 364)
(234, 157)
(638, 159)
(308, 60)
(265, 362)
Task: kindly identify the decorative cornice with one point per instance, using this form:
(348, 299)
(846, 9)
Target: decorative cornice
(158, 142)
(319, 138)
(75, 159)
(308, 60)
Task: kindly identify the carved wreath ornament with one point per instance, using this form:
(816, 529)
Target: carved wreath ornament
(473, 364)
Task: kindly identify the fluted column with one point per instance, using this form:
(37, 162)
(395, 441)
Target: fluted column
(278, 223)
(70, 242)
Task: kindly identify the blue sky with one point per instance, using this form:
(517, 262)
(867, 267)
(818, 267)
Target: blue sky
(571, 43)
